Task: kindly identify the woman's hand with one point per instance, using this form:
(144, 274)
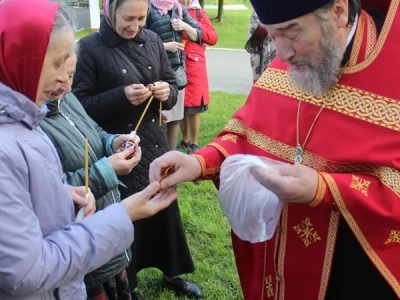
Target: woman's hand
(123, 162)
(78, 194)
(137, 93)
(160, 90)
(178, 24)
(118, 144)
(142, 205)
(174, 46)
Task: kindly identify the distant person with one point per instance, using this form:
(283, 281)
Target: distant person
(169, 19)
(259, 45)
(197, 96)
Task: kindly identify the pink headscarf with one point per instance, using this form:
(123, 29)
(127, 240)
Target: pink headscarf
(163, 6)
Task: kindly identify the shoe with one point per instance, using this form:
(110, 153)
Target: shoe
(136, 296)
(193, 148)
(182, 145)
(183, 286)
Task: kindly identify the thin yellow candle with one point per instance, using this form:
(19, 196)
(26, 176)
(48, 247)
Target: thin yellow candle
(87, 166)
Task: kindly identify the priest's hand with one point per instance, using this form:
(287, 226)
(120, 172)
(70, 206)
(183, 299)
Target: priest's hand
(291, 183)
(185, 168)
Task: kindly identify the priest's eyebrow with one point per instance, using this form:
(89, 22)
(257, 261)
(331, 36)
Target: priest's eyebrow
(288, 26)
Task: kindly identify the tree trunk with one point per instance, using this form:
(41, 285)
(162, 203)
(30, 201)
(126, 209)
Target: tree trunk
(220, 16)
(201, 3)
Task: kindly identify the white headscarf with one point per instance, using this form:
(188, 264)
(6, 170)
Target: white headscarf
(194, 4)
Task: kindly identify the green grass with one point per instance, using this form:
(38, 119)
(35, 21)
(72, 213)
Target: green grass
(232, 32)
(207, 230)
(81, 33)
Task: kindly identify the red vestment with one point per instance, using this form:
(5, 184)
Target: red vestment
(355, 145)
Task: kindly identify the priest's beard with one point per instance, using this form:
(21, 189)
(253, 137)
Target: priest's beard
(319, 77)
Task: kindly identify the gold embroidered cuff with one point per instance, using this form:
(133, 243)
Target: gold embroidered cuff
(320, 193)
(206, 174)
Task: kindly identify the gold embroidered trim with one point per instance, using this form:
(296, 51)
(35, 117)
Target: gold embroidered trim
(360, 236)
(265, 265)
(394, 237)
(277, 238)
(388, 176)
(320, 194)
(282, 252)
(307, 232)
(371, 36)
(358, 37)
(352, 102)
(379, 43)
(268, 287)
(219, 148)
(206, 173)
(229, 137)
(329, 250)
(360, 184)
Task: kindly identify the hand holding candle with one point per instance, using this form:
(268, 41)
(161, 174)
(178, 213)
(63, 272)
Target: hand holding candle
(81, 213)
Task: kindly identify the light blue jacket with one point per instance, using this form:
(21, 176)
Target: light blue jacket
(43, 253)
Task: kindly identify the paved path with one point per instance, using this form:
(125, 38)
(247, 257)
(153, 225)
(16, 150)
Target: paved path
(229, 71)
(82, 17)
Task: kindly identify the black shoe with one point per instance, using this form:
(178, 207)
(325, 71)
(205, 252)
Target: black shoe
(183, 287)
(136, 296)
(193, 148)
(183, 146)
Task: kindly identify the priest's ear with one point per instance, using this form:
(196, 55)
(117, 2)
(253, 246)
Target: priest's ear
(341, 13)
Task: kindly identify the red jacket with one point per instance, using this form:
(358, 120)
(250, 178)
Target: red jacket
(196, 69)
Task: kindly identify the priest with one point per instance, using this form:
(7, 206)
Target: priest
(329, 105)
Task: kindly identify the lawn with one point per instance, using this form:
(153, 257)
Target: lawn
(207, 230)
(232, 32)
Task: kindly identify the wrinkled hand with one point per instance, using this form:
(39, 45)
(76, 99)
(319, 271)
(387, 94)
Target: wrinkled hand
(174, 46)
(178, 24)
(122, 163)
(140, 206)
(118, 144)
(160, 90)
(291, 183)
(78, 194)
(137, 93)
(185, 168)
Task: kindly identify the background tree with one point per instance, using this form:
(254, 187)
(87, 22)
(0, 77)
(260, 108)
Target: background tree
(220, 16)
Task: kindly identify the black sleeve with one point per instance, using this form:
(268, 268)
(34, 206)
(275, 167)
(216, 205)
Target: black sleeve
(167, 75)
(101, 106)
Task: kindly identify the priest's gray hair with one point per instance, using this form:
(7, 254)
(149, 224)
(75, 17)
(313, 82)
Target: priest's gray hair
(354, 10)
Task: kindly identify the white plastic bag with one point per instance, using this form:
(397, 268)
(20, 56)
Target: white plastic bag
(252, 210)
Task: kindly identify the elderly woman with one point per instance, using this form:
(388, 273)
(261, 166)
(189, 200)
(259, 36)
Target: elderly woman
(118, 70)
(44, 254)
(67, 126)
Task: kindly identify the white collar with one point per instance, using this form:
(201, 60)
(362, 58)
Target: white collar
(352, 31)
